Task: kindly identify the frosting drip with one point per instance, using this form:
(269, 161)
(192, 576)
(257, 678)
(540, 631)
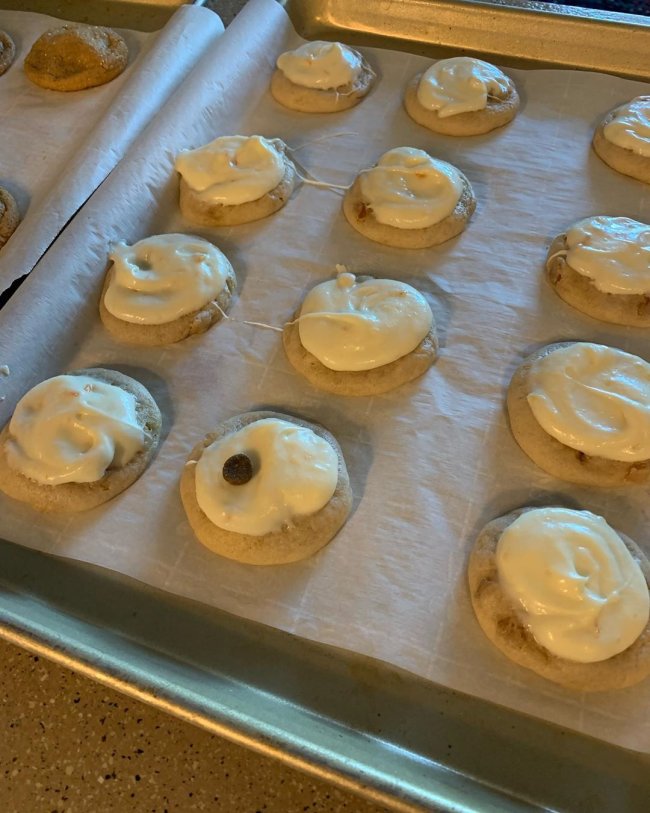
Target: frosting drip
(460, 85)
(164, 277)
(232, 169)
(350, 325)
(295, 473)
(408, 189)
(71, 429)
(575, 584)
(594, 399)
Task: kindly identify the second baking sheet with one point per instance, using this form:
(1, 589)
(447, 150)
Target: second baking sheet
(429, 463)
(57, 147)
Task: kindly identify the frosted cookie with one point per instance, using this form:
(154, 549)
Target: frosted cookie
(9, 215)
(622, 139)
(461, 96)
(76, 57)
(234, 179)
(165, 288)
(601, 266)
(7, 52)
(560, 592)
(77, 440)
(409, 200)
(266, 489)
(321, 77)
(361, 336)
(581, 411)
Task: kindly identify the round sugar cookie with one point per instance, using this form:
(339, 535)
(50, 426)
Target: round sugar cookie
(581, 292)
(298, 540)
(9, 215)
(206, 213)
(622, 159)
(360, 214)
(83, 496)
(372, 381)
(323, 99)
(501, 108)
(188, 324)
(549, 453)
(75, 57)
(500, 622)
(7, 52)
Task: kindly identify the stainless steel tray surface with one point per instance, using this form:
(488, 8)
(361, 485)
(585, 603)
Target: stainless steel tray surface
(141, 15)
(397, 739)
(517, 34)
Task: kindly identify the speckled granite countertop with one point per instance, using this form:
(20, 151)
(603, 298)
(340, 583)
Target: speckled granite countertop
(69, 745)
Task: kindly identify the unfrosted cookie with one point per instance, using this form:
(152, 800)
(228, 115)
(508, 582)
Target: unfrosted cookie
(365, 336)
(77, 440)
(600, 266)
(562, 547)
(461, 96)
(76, 57)
(321, 77)
(165, 288)
(287, 492)
(234, 180)
(9, 215)
(622, 139)
(7, 52)
(595, 399)
(409, 200)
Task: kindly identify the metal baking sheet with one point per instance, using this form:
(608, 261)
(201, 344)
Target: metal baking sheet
(397, 739)
(141, 15)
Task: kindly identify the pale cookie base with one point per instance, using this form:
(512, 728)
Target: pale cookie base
(203, 213)
(619, 158)
(551, 455)
(313, 100)
(9, 215)
(83, 496)
(361, 217)
(499, 621)
(476, 122)
(362, 382)
(188, 325)
(7, 52)
(580, 292)
(301, 539)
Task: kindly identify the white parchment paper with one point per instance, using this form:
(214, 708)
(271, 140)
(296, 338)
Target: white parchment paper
(56, 148)
(431, 462)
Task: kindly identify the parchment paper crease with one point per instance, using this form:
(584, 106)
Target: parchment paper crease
(56, 148)
(431, 462)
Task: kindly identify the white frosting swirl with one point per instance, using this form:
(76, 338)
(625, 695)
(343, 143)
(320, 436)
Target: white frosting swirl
(294, 474)
(630, 127)
(232, 169)
(320, 65)
(350, 325)
(71, 429)
(595, 399)
(613, 252)
(460, 85)
(409, 189)
(164, 277)
(576, 586)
